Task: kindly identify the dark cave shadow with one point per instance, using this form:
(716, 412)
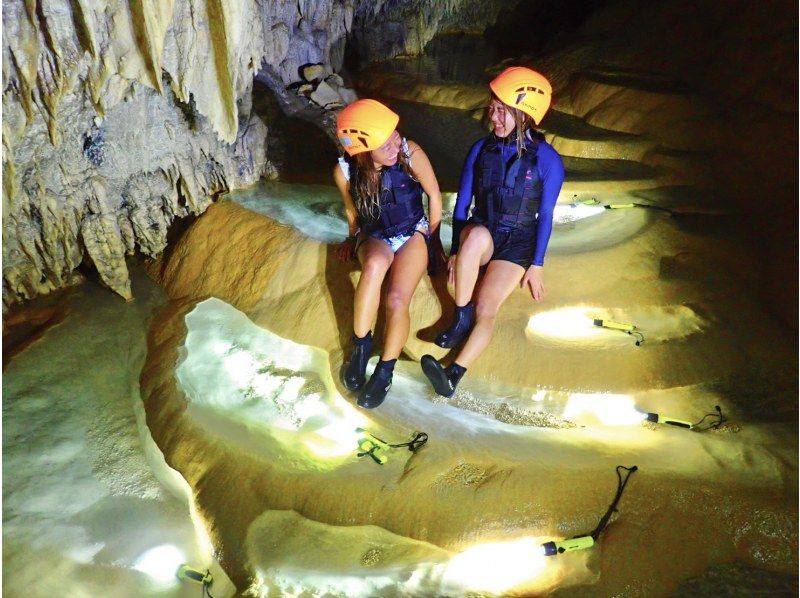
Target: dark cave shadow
(439, 284)
(26, 323)
(175, 232)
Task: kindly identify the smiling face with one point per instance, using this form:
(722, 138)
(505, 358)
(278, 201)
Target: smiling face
(501, 118)
(386, 155)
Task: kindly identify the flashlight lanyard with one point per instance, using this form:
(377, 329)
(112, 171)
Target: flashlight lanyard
(714, 425)
(413, 445)
(620, 488)
(207, 589)
(638, 336)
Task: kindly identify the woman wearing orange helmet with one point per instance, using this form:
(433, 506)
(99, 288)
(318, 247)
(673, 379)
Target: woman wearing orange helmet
(381, 180)
(514, 177)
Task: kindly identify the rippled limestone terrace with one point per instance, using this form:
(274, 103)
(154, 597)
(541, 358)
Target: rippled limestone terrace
(241, 393)
(121, 117)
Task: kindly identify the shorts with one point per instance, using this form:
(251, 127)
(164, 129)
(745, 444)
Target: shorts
(396, 242)
(511, 244)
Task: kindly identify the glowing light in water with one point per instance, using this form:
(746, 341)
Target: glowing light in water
(564, 213)
(499, 566)
(240, 366)
(236, 370)
(566, 323)
(609, 409)
(161, 563)
(338, 438)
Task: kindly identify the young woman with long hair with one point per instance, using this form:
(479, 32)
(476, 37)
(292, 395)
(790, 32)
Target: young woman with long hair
(514, 177)
(381, 180)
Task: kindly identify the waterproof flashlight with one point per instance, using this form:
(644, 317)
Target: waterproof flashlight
(619, 206)
(588, 540)
(615, 325)
(190, 574)
(583, 202)
(374, 450)
(717, 419)
(670, 421)
(627, 328)
(579, 543)
(372, 446)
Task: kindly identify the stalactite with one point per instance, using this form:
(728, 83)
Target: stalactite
(144, 103)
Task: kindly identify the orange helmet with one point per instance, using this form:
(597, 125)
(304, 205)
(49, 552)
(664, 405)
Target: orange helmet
(522, 88)
(365, 125)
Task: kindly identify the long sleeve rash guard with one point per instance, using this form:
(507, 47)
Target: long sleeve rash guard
(551, 173)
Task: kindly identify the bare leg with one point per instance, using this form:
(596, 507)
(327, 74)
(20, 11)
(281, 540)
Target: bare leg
(375, 257)
(409, 265)
(476, 250)
(500, 280)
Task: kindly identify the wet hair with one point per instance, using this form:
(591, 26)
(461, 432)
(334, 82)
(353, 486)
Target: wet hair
(365, 186)
(523, 123)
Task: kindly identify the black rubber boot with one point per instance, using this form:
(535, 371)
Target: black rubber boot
(379, 384)
(444, 380)
(353, 375)
(459, 329)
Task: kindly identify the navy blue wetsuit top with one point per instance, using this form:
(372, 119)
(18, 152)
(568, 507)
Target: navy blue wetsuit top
(551, 173)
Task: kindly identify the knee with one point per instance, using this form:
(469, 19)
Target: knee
(475, 241)
(486, 310)
(374, 268)
(397, 301)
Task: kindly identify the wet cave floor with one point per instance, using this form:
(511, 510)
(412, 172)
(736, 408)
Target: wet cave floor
(524, 453)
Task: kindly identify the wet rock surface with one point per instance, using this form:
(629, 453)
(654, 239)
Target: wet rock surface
(119, 120)
(528, 422)
(547, 408)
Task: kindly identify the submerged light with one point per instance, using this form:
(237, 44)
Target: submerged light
(563, 214)
(337, 438)
(670, 421)
(627, 328)
(717, 419)
(579, 543)
(188, 573)
(160, 563)
(588, 540)
(370, 445)
(497, 567)
(566, 322)
(616, 206)
(609, 409)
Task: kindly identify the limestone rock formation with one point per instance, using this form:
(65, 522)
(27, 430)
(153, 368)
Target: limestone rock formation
(473, 482)
(119, 117)
(386, 29)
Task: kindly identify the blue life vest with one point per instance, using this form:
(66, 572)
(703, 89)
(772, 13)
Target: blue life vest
(507, 194)
(400, 203)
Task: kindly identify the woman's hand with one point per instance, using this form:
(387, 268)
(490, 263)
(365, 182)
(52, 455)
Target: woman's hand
(346, 250)
(451, 270)
(534, 282)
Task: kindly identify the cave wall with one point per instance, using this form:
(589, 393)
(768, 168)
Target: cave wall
(385, 29)
(735, 66)
(121, 115)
